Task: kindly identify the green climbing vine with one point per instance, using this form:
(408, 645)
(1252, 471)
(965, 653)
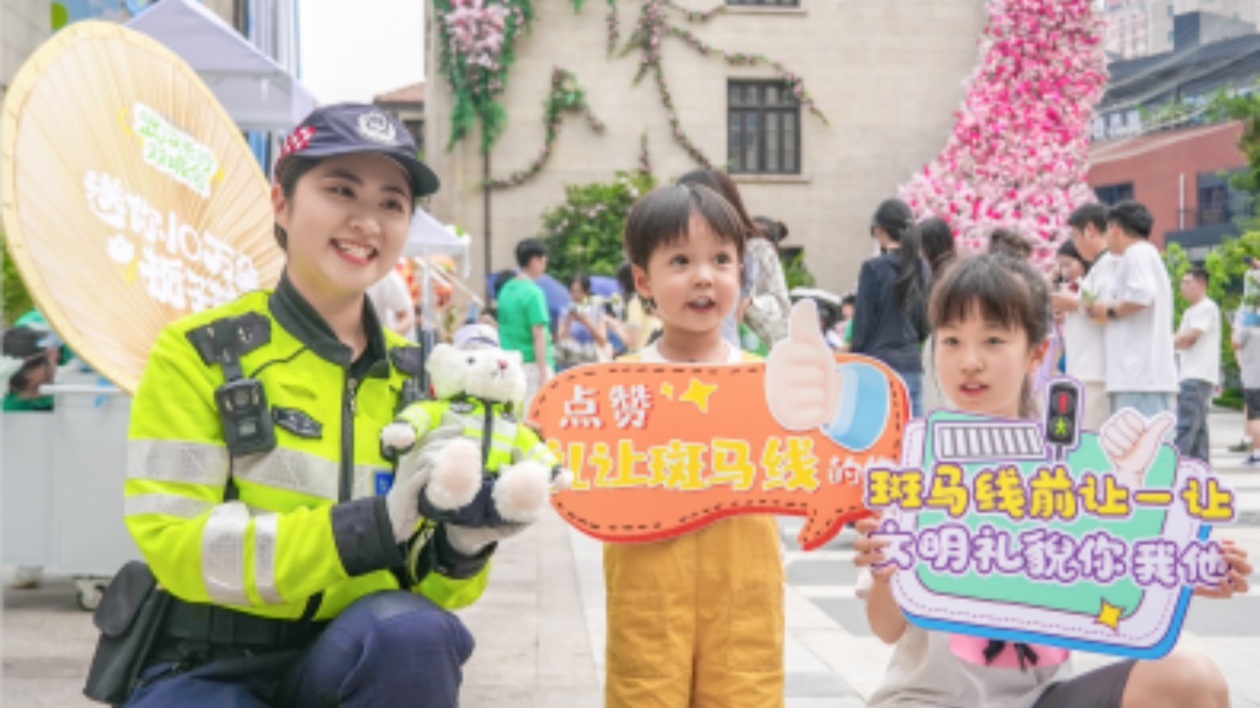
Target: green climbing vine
(566, 96)
(655, 24)
(477, 49)
(478, 39)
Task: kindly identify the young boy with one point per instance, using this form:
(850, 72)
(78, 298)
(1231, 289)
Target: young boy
(694, 621)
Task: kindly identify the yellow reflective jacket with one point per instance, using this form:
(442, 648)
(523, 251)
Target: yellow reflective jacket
(309, 523)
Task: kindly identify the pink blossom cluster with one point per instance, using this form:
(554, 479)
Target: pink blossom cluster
(1018, 152)
(476, 31)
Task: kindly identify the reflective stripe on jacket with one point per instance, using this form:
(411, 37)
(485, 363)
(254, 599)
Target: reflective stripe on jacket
(509, 441)
(310, 515)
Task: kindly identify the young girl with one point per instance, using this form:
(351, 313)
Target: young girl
(990, 315)
(695, 620)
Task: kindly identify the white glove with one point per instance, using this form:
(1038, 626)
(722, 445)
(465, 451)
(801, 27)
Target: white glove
(448, 474)
(403, 499)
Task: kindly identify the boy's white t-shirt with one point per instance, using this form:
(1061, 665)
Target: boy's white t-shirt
(1140, 355)
(1085, 340)
(1201, 361)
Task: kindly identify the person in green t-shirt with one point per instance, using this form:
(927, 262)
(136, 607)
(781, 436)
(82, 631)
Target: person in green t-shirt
(524, 323)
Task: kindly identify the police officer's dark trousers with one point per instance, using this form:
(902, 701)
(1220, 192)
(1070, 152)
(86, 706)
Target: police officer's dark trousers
(386, 649)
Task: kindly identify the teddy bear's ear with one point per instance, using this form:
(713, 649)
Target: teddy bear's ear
(445, 367)
(442, 355)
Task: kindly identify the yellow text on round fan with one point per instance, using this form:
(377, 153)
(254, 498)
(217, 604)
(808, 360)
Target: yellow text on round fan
(130, 198)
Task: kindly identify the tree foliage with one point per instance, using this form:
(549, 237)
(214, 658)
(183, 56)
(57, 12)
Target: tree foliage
(796, 273)
(1243, 107)
(16, 300)
(583, 233)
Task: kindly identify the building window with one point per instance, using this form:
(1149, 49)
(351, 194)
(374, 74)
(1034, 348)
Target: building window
(1112, 193)
(415, 126)
(763, 128)
(1219, 201)
(771, 3)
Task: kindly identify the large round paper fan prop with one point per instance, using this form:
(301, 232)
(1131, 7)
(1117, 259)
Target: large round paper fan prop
(130, 198)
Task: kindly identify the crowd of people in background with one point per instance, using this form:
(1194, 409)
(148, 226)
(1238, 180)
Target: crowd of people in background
(1111, 313)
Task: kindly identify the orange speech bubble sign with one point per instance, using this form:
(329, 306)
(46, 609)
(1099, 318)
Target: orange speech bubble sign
(661, 449)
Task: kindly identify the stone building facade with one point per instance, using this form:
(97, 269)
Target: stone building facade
(888, 75)
(26, 25)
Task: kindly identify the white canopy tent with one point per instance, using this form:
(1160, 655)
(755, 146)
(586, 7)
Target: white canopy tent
(429, 237)
(255, 91)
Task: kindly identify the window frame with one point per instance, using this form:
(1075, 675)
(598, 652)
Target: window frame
(1118, 188)
(761, 108)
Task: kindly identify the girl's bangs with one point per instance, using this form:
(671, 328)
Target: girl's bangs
(998, 297)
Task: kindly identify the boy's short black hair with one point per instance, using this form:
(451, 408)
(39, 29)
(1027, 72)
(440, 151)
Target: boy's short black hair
(1132, 217)
(1201, 275)
(663, 217)
(529, 249)
(1086, 214)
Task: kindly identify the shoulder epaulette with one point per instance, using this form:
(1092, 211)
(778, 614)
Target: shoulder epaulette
(407, 359)
(237, 336)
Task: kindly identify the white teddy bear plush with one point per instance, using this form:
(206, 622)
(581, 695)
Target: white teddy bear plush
(445, 441)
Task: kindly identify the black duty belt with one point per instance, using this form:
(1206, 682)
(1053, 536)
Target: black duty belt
(219, 626)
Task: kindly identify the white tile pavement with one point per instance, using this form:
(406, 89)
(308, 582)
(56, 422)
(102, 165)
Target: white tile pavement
(540, 627)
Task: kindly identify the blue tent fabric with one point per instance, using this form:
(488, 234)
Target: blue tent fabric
(605, 285)
(557, 294)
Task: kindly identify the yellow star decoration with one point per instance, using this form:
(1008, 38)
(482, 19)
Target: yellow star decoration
(1109, 615)
(667, 390)
(698, 393)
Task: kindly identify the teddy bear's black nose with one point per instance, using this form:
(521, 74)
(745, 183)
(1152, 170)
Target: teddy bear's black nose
(503, 364)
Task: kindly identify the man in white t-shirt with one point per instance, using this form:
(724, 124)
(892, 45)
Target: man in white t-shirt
(1141, 370)
(1198, 342)
(1084, 337)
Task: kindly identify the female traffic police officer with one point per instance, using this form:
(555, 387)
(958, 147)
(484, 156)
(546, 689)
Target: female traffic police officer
(256, 482)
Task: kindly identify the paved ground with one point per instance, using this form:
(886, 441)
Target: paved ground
(540, 627)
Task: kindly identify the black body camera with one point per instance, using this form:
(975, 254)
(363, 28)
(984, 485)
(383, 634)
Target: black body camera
(247, 424)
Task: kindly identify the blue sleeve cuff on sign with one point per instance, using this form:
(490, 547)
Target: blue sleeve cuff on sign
(364, 536)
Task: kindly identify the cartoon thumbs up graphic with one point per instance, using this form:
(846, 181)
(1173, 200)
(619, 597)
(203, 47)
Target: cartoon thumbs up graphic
(802, 383)
(1131, 443)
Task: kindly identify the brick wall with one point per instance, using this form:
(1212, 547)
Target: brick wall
(1155, 164)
